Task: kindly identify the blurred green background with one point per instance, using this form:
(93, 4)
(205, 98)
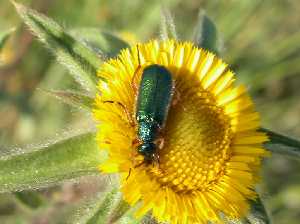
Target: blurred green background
(259, 39)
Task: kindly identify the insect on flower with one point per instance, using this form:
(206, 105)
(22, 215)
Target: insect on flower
(153, 102)
(153, 99)
(211, 151)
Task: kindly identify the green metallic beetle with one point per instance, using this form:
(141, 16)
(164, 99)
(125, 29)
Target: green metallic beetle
(154, 97)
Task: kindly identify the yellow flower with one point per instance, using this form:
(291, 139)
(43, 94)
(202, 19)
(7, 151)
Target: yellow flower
(212, 150)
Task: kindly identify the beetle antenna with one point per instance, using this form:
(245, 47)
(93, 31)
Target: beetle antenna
(136, 71)
(138, 51)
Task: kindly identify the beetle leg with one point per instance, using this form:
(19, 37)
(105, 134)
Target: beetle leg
(135, 142)
(155, 160)
(129, 172)
(138, 165)
(176, 99)
(131, 121)
(160, 142)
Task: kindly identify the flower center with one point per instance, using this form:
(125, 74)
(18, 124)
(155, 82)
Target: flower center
(197, 138)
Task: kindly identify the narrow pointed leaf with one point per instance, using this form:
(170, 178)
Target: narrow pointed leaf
(4, 37)
(128, 218)
(168, 29)
(236, 221)
(102, 42)
(105, 208)
(205, 33)
(72, 98)
(79, 59)
(258, 213)
(283, 145)
(50, 164)
(30, 199)
(121, 209)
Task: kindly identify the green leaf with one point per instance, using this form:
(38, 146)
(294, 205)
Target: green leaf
(4, 37)
(50, 164)
(205, 33)
(102, 42)
(128, 218)
(30, 199)
(258, 213)
(283, 145)
(121, 209)
(105, 208)
(73, 98)
(78, 58)
(168, 30)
